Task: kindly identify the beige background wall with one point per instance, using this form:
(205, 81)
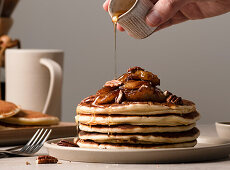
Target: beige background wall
(192, 59)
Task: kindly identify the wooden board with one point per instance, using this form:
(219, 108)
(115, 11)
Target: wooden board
(18, 135)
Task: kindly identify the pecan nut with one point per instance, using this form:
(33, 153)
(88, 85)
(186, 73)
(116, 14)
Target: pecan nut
(46, 159)
(174, 100)
(113, 83)
(66, 143)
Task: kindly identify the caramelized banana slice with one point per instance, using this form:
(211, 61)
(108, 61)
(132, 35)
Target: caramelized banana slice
(89, 99)
(107, 98)
(144, 93)
(140, 75)
(123, 78)
(132, 84)
(105, 90)
(148, 76)
(134, 69)
(120, 97)
(159, 96)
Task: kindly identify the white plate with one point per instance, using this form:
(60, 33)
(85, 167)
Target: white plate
(207, 149)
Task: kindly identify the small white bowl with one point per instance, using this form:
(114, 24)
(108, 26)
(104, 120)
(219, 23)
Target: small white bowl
(223, 129)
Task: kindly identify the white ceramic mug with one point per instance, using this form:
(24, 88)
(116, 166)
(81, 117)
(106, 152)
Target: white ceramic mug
(34, 79)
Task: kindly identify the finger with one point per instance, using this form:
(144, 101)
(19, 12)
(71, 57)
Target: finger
(119, 27)
(178, 18)
(163, 10)
(106, 5)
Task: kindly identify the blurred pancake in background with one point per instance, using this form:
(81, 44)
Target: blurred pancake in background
(8, 109)
(27, 117)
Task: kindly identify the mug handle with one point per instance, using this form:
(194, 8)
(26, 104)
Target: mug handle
(55, 79)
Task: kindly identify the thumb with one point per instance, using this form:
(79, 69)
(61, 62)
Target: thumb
(163, 10)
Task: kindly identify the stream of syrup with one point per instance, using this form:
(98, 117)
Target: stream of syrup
(124, 6)
(114, 20)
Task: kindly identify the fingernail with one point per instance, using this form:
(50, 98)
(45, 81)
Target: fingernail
(153, 18)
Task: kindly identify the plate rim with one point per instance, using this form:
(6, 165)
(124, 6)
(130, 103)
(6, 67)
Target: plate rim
(48, 144)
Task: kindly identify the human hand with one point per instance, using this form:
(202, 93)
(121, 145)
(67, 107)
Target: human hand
(166, 13)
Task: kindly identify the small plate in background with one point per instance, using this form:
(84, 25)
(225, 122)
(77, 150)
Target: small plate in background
(223, 129)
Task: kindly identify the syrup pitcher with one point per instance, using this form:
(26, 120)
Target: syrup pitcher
(131, 14)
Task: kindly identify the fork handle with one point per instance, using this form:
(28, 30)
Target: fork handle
(7, 152)
(13, 153)
(12, 148)
(3, 155)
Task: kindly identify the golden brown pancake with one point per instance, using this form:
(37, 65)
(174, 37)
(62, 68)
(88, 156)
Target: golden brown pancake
(127, 128)
(8, 109)
(160, 120)
(144, 138)
(28, 117)
(96, 145)
(136, 108)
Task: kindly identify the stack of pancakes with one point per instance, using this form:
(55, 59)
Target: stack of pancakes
(131, 112)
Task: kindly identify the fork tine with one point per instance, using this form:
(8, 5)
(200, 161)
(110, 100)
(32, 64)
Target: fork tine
(43, 136)
(46, 137)
(33, 142)
(40, 144)
(30, 141)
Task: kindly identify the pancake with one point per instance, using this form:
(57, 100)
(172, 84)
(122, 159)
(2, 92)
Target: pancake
(96, 145)
(27, 117)
(160, 120)
(125, 128)
(137, 108)
(144, 138)
(8, 109)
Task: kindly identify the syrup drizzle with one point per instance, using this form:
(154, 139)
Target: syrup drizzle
(114, 20)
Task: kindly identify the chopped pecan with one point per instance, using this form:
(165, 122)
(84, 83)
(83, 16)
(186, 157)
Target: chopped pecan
(28, 163)
(113, 83)
(108, 98)
(174, 100)
(105, 90)
(133, 69)
(46, 159)
(132, 84)
(66, 143)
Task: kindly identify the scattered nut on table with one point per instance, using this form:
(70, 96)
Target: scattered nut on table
(27, 163)
(46, 159)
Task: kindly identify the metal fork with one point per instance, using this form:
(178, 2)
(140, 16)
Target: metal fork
(34, 144)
